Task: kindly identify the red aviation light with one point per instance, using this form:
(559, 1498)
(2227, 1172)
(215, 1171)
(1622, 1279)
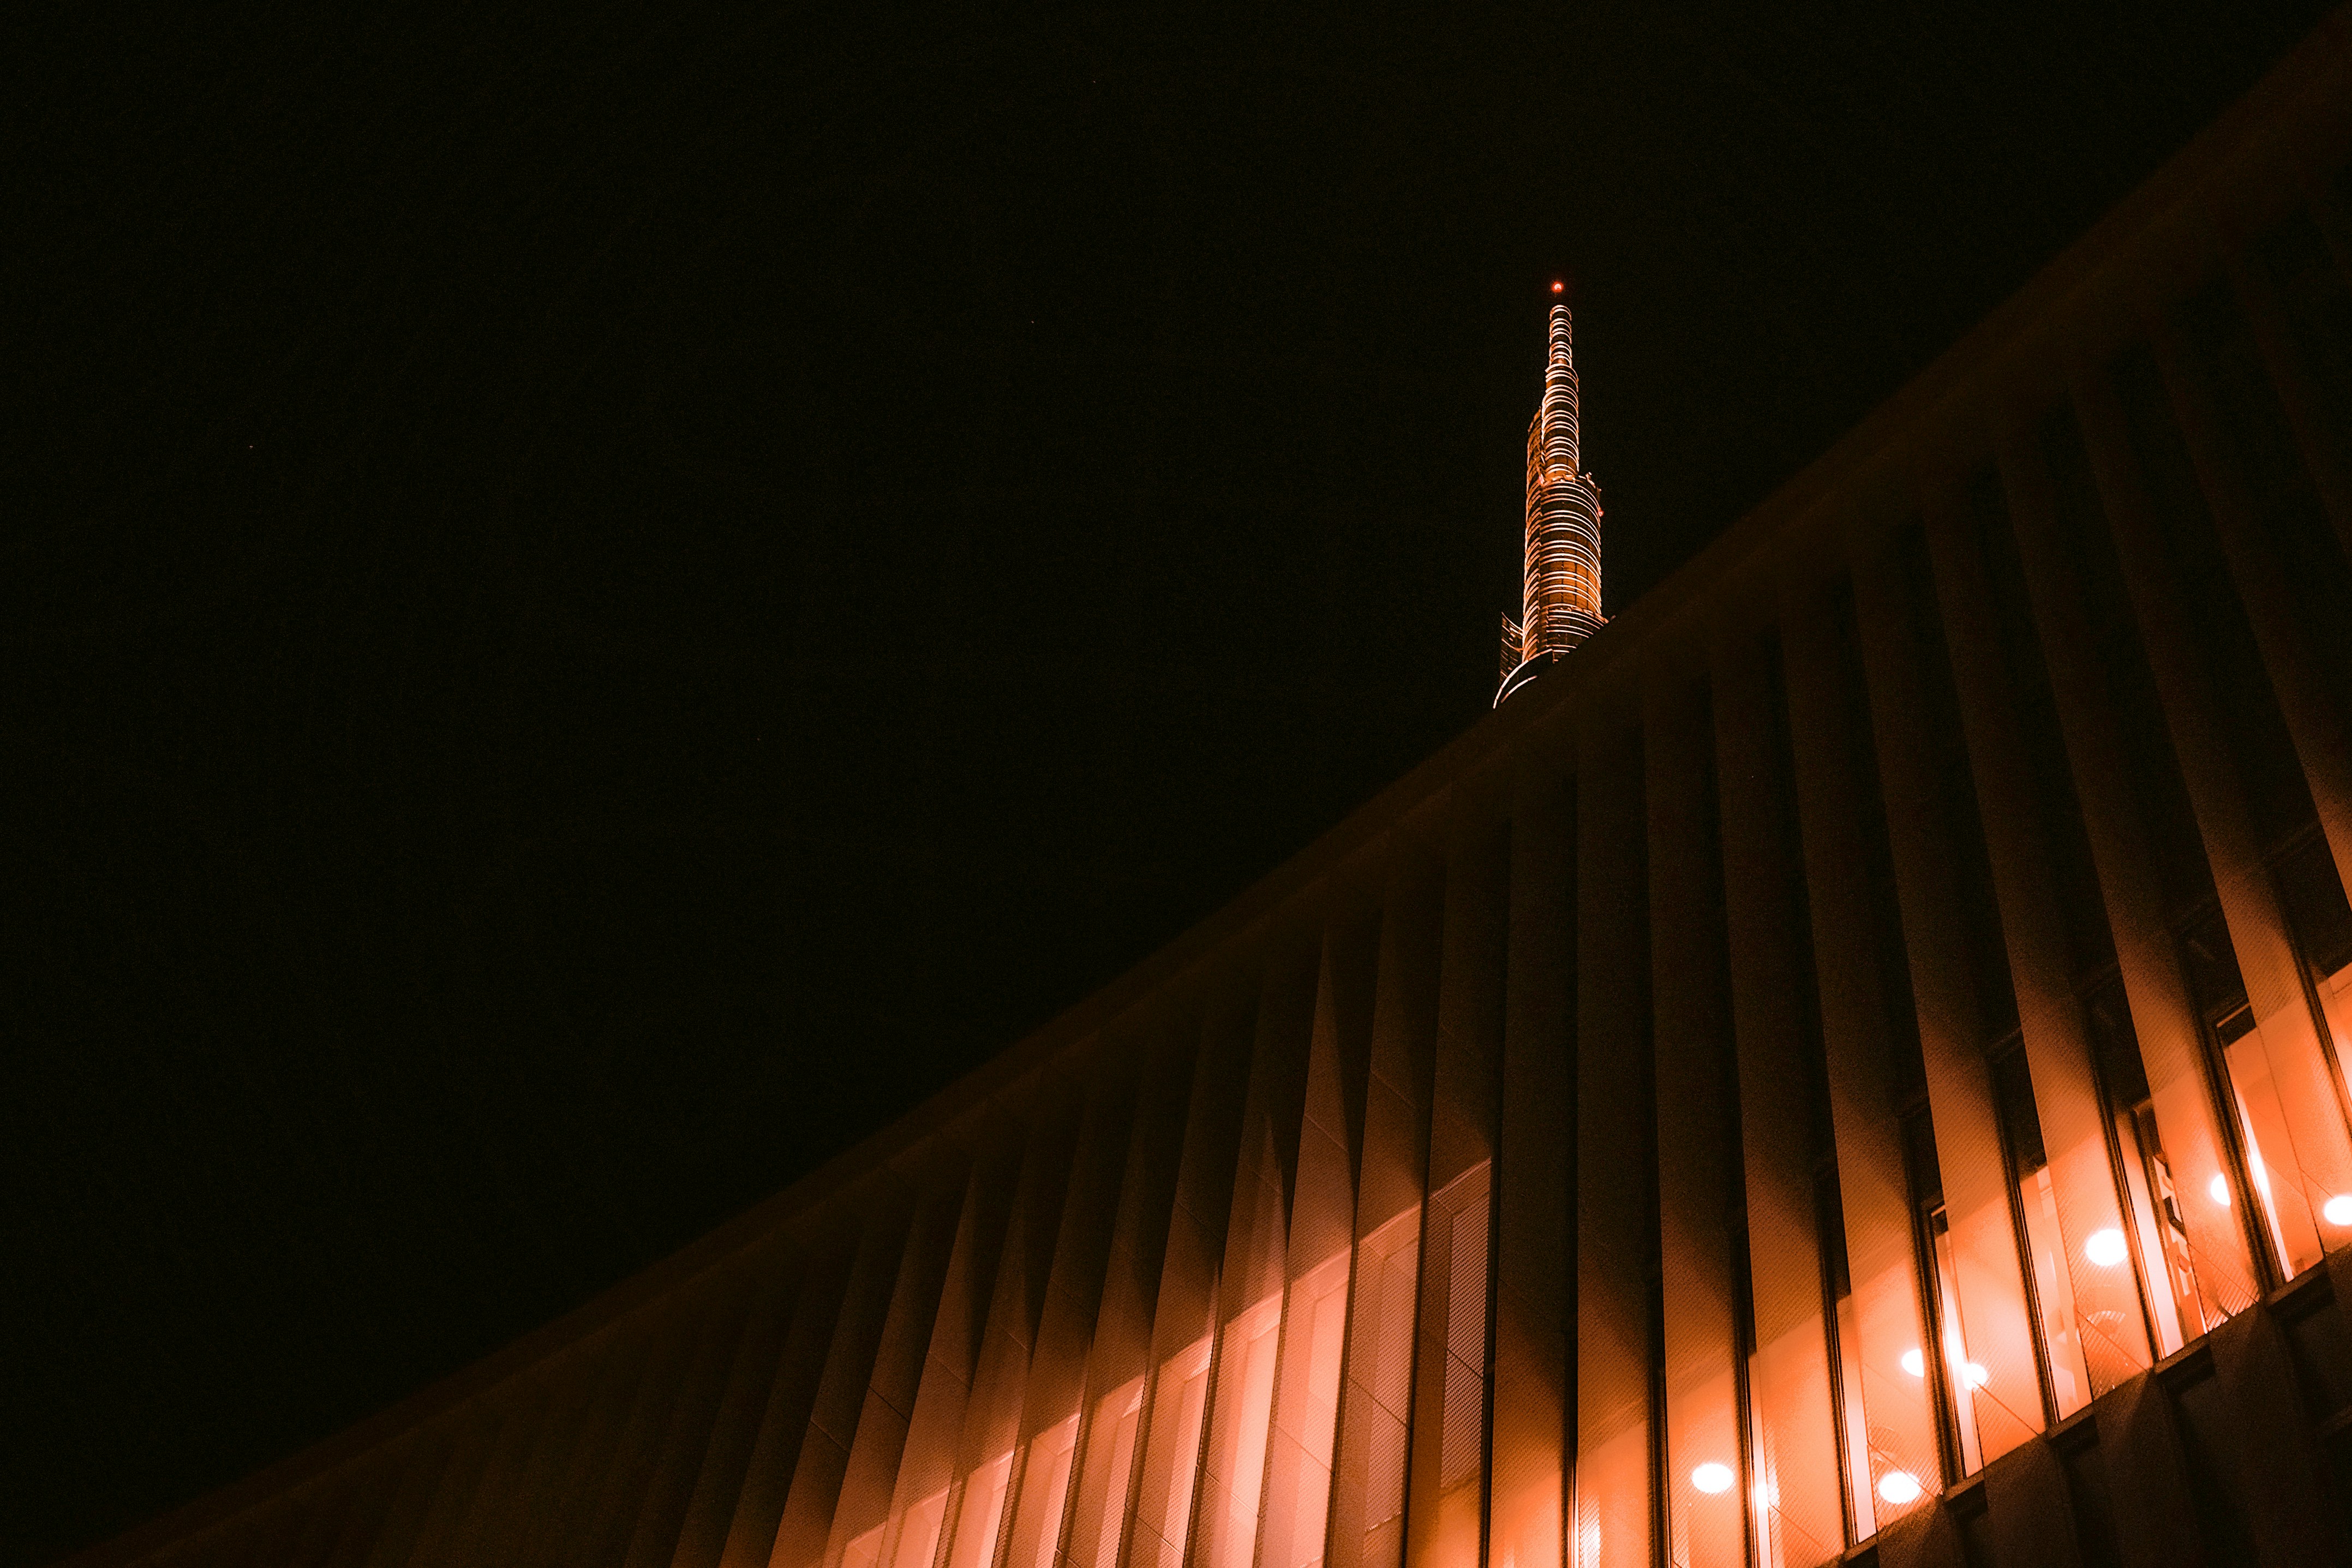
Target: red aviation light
(1558, 288)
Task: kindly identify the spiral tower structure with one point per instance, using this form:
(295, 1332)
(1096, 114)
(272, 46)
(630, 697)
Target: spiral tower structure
(1562, 604)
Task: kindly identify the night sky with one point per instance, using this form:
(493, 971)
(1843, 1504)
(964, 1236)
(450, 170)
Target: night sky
(599, 599)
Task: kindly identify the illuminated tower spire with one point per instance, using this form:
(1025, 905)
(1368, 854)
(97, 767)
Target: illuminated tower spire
(1562, 605)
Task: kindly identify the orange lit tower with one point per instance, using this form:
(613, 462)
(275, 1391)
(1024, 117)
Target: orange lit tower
(1563, 563)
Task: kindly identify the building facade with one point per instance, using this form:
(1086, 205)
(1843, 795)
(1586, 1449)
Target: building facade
(1850, 1066)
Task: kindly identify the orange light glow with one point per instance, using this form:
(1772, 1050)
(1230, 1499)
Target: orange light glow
(1558, 288)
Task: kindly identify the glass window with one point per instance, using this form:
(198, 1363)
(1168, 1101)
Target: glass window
(2288, 1223)
(1845, 1364)
(2054, 1304)
(1963, 1376)
(2320, 921)
(2159, 1224)
(1958, 1376)
(2292, 1192)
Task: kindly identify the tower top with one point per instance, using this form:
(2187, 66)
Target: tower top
(1561, 603)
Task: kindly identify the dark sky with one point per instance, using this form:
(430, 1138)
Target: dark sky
(598, 599)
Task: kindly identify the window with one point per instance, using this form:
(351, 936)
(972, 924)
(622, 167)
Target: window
(1961, 1379)
(2284, 1211)
(1886, 1407)
(2321, 923)
(2051, 1272)
(2263, 1070)
(1845, 1360)
(1962, 1376)
(2158, 1219)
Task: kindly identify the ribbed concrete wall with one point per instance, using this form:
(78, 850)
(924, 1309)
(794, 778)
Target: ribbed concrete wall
(1854, 1058)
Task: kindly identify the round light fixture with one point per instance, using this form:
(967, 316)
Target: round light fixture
(1712, 1478)
(2105, 1249)
(1914, 1364)
(1976, 1375)
(2217, 1189)
(2337, 1210)
(1899, 1487)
